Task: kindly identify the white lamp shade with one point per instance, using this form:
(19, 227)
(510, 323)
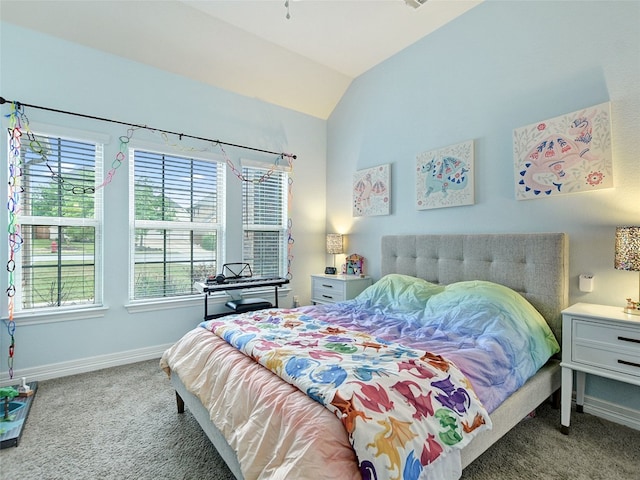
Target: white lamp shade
(334, 243)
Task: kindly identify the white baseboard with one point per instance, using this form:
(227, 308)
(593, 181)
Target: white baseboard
(89, 364)
(612, 412)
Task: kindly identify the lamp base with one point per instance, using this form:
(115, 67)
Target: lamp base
(632, 308)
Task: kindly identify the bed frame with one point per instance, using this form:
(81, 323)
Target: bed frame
(534, 265)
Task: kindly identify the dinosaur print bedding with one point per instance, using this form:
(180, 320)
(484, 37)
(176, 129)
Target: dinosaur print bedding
(407, 370)
(402, 408)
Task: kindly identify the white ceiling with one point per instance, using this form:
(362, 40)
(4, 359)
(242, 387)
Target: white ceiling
(304, 63)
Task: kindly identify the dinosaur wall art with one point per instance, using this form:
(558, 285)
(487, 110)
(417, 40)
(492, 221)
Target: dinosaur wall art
(372, 191)
(444, 177)
(567, 154)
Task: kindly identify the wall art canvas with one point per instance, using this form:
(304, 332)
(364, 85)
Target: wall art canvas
(444, 177)
(567, 154)
(372, 191)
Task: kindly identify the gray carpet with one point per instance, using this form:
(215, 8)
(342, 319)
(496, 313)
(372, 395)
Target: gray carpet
(121, 423)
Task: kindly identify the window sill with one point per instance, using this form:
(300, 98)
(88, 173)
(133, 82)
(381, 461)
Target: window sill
(191, 300)
(141, 306)
(58, 315)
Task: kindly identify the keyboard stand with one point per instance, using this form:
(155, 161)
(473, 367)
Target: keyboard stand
(247, 304)
(241, 305)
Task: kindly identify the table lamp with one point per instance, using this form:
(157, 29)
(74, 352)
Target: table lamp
(627, 257)
(334, 247)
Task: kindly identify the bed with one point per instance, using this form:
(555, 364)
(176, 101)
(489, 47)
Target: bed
(264, 427)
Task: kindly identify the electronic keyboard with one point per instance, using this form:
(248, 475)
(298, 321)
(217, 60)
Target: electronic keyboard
(235, 283)
(260, 280)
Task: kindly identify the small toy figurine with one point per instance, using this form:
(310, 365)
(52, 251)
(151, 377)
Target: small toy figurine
(24, 390)
(632, 307)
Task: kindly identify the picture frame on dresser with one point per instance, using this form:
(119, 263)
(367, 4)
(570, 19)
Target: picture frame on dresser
(354, 265)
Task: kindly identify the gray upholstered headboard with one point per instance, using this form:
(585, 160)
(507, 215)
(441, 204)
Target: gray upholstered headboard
(533, 264)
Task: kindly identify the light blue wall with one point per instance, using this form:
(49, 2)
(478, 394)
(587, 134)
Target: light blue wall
(500, 66)
(41, 70)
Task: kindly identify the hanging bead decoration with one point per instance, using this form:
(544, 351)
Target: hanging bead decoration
(266, 176)
(19, 122)
(238, 173)
(290, 240)
(286, 5)
(36, 147)
(117, 162)
(124, 140)
(13, 229)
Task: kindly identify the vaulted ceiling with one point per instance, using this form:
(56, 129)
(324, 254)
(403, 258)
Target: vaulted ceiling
(304, 62)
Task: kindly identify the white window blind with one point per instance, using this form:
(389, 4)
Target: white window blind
(177, 223)
(264, 221)
(61, 224)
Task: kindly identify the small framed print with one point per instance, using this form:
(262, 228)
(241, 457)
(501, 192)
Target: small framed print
(444, 177)
(372, 191)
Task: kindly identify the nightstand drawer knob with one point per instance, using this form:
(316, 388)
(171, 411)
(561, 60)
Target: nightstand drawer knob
(327, 296)
(327, 285)
(632, 364)
(627, 339)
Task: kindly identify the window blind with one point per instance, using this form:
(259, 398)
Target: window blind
(264, 220)
(177, 204)
(60, 228)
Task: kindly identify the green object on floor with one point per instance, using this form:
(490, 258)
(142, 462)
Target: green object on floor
(15, 411)
(7, 393)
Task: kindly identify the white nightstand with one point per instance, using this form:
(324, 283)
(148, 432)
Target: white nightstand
(337, 288)
(600, 340)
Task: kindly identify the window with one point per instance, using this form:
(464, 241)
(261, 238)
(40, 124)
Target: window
(177, 223)
(264, 221)
(60, 218)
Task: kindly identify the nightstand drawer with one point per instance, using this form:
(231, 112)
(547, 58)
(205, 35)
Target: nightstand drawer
(598, 340)
(616, 337)
(328, 290)
(337, 288)
(606, 345)
(615, 360)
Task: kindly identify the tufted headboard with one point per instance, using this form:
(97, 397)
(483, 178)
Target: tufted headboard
(533, 264)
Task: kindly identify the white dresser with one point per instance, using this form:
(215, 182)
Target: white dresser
(599, 340)
(337, 288)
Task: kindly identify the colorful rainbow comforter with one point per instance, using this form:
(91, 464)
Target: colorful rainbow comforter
(405, 368)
